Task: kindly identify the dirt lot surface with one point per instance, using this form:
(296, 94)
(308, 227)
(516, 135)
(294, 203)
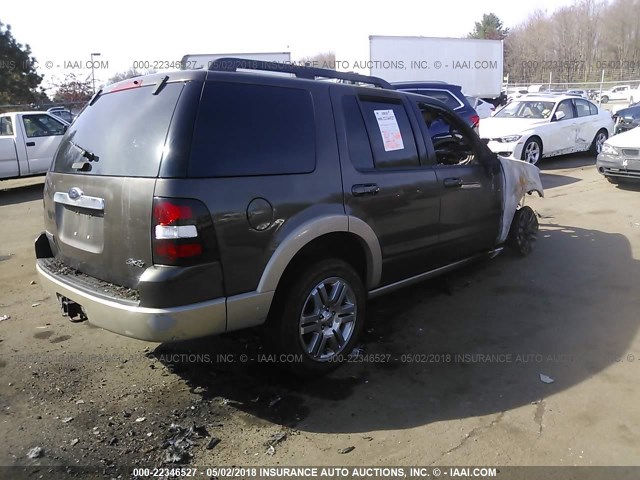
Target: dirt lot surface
(456, 380)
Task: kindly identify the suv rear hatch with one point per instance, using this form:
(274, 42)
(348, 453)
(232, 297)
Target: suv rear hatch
(99, 193)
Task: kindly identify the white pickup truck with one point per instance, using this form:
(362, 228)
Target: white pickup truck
(621, 92)
(28, 142)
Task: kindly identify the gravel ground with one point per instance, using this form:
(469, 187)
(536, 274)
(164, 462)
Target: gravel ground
(450, 372)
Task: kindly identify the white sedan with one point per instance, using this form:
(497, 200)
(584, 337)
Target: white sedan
(534, 127)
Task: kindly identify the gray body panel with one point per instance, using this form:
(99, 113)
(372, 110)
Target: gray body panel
(100, 242)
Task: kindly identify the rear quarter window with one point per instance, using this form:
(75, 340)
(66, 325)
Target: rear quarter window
(245, 129)
(6, 126)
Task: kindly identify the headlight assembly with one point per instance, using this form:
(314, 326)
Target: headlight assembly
(609, 150)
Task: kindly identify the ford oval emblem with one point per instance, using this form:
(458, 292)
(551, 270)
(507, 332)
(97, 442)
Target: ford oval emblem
(75, 193)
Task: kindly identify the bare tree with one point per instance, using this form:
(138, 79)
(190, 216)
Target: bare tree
(320, 60)
(575, 43)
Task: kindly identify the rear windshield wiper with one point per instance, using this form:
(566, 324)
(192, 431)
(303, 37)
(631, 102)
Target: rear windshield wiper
(92, 157)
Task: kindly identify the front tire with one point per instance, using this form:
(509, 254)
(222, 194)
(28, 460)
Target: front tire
(532, 151)
(598, 142)
(523, 233)
(321, 316)
(605, 99)
(613, 180)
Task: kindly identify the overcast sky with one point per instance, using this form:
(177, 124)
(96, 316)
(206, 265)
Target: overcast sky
(139, 30)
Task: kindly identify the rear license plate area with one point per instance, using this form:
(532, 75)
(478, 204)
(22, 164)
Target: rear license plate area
(80, 228)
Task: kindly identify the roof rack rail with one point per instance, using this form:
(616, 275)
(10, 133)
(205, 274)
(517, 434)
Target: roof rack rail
(231, 64)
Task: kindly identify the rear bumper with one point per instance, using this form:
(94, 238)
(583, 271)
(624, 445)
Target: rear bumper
(151, 324)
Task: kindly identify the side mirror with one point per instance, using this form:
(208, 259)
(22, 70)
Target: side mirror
(559, 116)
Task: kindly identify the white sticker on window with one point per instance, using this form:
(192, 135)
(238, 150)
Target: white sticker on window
(389, 129)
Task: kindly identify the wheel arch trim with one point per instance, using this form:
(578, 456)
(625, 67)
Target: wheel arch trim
(309, 231)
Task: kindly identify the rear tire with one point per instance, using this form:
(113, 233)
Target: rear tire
(523, 233)
(319, 316)
(605, 99)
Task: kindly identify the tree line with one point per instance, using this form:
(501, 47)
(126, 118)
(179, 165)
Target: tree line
(575, 43)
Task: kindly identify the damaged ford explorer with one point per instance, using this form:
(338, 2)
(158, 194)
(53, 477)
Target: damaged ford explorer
(194, 203)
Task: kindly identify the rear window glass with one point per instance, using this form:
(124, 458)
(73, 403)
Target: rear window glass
(125, 130)
(443, 95)
(245, 129)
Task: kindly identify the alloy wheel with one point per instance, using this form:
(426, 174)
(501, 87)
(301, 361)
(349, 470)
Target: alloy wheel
(532, 153)
(327, 320)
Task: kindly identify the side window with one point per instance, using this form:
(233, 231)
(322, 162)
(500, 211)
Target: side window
(390, 134)
(357, 138)
(42, 126)
(583, 108)
(593, 109)
(451, 144)
(244, 129)
(565, 106)
(6, 126)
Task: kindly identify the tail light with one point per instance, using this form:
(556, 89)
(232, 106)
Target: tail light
(475, 121)
(182, 233)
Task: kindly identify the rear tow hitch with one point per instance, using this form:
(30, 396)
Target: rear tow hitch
(71, 309)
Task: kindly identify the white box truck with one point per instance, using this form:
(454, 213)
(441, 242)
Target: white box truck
(474, 64)
(203, 60)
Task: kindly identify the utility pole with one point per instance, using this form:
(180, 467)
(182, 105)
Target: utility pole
(93, 77)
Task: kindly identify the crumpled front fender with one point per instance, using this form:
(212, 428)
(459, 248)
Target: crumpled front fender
(520, 178)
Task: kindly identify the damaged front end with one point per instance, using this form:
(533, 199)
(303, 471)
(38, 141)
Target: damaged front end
(519, 226)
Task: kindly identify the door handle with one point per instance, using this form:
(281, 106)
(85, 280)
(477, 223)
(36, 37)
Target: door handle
(362, 189)
(31, 144)
(452, 182)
